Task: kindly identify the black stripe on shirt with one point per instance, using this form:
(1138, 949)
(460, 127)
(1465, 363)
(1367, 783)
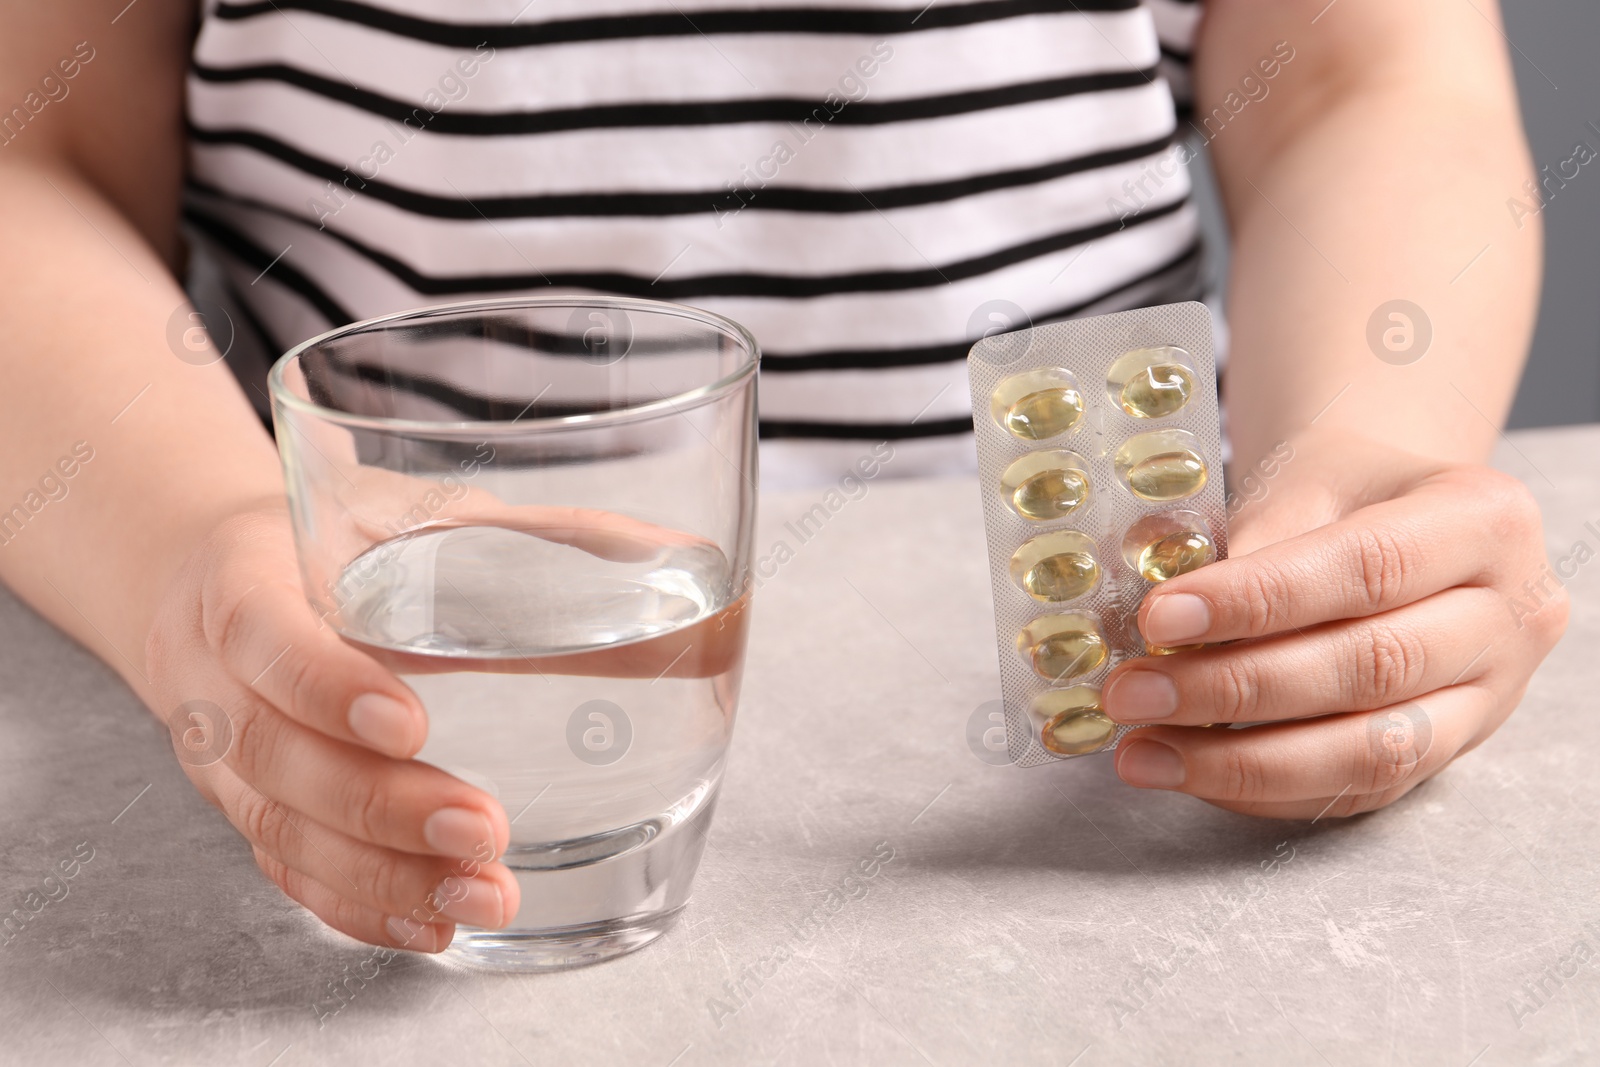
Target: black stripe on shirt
(1180, 266)
(248, 252)
(474, 406)
(745, 284)
(1185, 267)
(706, 113)
(253, 255)
(922, 355)
(510, 331)
(253, 376)
(478, 408)
(822, 21)
(795, 429)
(595, 205)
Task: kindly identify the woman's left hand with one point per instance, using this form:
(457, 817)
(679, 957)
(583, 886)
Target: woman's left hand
(1384, 612)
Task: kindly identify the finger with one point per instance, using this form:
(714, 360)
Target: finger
(1452, 529)
(1359, 665)
(348, 917)
(426, 888)
(399, 804)
(255, 617)
(1358, 752)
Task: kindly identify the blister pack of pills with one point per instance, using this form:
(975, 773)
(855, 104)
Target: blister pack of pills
(1100, 466)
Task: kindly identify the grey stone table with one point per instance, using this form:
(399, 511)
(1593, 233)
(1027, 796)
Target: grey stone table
(1045, 916)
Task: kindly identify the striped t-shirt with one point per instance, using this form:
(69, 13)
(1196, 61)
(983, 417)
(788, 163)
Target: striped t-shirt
(868, 185)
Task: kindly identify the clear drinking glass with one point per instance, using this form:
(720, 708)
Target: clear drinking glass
(538, 514)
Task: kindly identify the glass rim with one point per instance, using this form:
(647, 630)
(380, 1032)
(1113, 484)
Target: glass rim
(700, 394)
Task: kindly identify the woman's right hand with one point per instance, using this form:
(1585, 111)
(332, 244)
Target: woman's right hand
(304, 744)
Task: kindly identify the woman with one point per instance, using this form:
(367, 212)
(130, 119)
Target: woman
(868, 187)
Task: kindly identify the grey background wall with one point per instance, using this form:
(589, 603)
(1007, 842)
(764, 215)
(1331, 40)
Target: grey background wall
(1559, 81)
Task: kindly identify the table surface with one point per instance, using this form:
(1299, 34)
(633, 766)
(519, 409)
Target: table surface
(1046, 916)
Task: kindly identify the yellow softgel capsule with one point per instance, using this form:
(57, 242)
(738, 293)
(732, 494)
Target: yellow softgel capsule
(1165, 544)
(1046, 413)
(1038, 405)
(1077, 733)
(1159, 391)
(1152, 383)
(1075, 722)
(1063, 647)
(1063, 577)
(1175, 554)
(1056, 567)
(1053, 702)
(1162, 466)
(1168, 475)
(1046, 485)
(1051, 494)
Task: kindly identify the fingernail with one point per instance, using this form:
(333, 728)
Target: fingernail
(480, 905)
(458, 832)
(1176, 618)
(1151, 765)
(410, 934)
(382, 722)
(1141, 696)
